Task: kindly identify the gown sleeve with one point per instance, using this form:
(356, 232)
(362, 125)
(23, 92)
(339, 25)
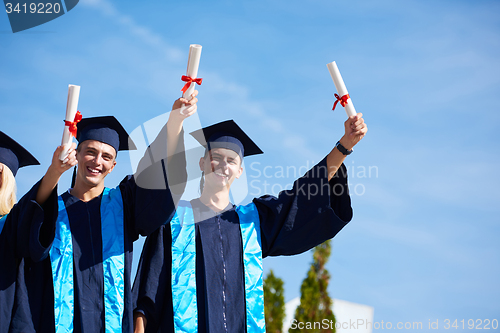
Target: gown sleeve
(25, 235)
(9, 263)
(313, 211)
(151, 195)
(151, 289)
(35, 224)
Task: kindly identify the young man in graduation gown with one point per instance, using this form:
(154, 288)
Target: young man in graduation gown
(202, 272)
(81, 283)
(14, 236)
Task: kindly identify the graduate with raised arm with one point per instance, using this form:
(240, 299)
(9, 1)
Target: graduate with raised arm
(202, 272)
(81, 282)
(12, 157)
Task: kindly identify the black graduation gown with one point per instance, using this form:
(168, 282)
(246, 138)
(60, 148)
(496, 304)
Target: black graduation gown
(20, 237)
(314, 211)
(13, 156)
(9, 263)
(30, 270)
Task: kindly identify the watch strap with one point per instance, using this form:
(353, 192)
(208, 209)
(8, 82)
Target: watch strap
(343, 149)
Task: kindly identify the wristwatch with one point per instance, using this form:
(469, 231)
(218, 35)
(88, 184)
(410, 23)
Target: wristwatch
(342, 149)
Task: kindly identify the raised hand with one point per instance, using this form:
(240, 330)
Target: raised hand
(355, 130)
(54, 172)
(183, 108)
(69, 162)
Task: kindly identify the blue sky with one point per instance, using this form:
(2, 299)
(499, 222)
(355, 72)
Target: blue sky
(426, 74)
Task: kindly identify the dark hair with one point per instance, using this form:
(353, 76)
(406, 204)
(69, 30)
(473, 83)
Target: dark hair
(202, 182)
(202, 179)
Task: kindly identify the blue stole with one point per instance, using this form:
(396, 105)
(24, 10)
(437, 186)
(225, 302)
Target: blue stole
(2, 222)
(113, 244)
(184, 268)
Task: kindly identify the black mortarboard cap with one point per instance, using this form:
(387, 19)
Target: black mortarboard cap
(229, 135)
(13, 155)
(104, 129)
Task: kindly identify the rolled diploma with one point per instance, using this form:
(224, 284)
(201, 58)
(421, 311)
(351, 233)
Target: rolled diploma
(71, 108)
(340, 86)
(192, 70)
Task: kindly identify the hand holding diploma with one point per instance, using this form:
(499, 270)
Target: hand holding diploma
(355, 130)
(72, 118)
(344, 98)
(183, 108)
(55, 170)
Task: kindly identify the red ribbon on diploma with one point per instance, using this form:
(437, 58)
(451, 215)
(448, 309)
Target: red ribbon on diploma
(72, 124)
(188, 81)
(342, 100)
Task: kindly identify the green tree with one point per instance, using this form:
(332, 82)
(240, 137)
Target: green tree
(274, 303)
(315, 304)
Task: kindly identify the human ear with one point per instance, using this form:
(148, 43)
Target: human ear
(240, 172)
(202, 164)
(111, 169)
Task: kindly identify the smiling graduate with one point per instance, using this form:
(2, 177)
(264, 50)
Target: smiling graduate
(80, 281)
(202, 272)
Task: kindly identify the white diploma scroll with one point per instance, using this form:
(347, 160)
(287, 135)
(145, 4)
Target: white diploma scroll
(192, 70)
(71, 109)
(340, 86)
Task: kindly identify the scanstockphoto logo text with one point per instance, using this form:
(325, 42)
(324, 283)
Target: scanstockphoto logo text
(265, 179)
(25, 15)
(352, 325)
(363, 324)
